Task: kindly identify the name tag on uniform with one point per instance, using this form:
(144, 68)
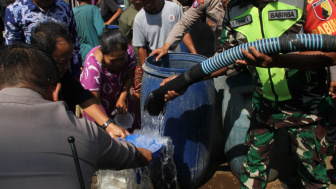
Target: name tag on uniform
(282, 14)
(241, 21)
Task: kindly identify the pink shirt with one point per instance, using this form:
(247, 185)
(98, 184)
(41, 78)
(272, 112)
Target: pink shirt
(97, 79)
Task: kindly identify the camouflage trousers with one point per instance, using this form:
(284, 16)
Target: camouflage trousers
(308, 142)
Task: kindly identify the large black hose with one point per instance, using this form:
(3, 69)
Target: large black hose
(287, 43)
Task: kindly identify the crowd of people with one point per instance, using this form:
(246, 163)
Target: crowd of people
(55, 57)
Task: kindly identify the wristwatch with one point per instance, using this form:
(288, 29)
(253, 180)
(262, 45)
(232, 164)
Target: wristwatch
(104, 126)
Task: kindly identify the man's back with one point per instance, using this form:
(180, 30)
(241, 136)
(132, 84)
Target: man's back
(90, 25)
(35, 152)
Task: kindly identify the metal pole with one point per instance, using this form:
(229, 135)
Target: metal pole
(71, 140)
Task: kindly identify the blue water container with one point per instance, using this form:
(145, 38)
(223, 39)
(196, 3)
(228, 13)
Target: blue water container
(112, 27)
(187, 120)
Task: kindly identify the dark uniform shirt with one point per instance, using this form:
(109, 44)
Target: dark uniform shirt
(72, 92)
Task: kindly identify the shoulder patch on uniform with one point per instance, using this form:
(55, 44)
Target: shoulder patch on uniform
(241, 21)
(197, 3)
(322, 9)
(209, 23)
(283, 14)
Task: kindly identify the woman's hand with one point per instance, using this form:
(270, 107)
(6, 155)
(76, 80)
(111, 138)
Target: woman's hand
(121, 106)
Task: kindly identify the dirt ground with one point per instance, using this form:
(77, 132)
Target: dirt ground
(219, 176)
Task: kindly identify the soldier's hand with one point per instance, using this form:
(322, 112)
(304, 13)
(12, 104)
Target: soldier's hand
(170, 94)
(255, 58)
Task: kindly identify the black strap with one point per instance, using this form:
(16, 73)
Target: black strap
(104, 126)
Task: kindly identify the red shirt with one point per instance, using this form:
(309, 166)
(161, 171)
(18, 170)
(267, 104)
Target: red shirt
(321, 17)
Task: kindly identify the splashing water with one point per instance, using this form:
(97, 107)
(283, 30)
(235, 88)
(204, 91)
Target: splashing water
(124, 179)
(160, 173)
(151, 124)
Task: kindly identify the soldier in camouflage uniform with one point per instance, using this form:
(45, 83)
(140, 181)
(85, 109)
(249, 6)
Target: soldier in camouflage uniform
(290, 90)
(296, 99)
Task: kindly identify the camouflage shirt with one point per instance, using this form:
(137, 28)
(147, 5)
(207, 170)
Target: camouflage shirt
(310, 100)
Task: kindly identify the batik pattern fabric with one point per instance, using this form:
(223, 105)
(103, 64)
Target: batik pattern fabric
(22, 16)
(136, 87)
(96, 78)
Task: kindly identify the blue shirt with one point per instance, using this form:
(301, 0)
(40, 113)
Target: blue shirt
(22, 16)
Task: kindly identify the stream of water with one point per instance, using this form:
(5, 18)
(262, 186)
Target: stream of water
(160, 173)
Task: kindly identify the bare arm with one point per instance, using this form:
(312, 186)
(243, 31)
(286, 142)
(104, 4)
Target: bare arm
(142, 54)
(164, 50)
(217, 73)
(115, 16)
(145, 156)
(332, 89)
(172, 94)
(189, 43)
(161, 51)
(92, 108)
(122, 101)
(186, 22)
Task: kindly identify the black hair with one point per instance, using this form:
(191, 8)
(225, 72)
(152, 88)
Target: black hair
(45, 35)
(111, 40)
(86, 1)
(23, 65)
